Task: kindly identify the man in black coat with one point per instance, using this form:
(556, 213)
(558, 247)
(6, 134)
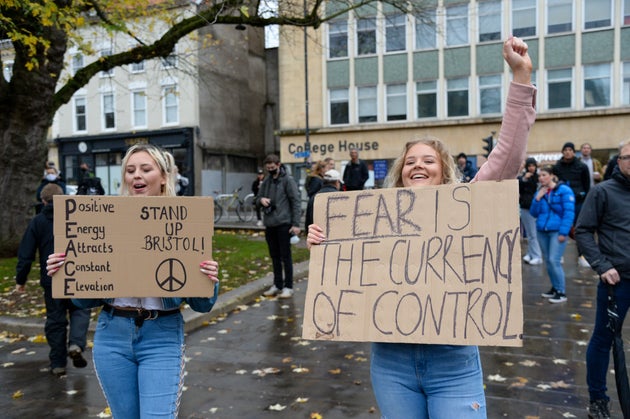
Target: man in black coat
(356, 172)
(38, 237)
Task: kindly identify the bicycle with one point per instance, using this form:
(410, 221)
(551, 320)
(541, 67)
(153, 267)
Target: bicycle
(224, 203)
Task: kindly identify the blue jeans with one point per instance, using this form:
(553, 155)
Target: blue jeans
(140, 369)
(552, 251)
(419, 381)
(529, 223)
(598, 352)
(279, 244)
(60, 313)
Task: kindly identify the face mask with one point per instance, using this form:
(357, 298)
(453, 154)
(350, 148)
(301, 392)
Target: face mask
(51, 177)
(273, 172)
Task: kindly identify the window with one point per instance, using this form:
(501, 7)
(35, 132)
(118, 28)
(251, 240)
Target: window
(7, 70)
(524, 18)
(80, 114)
(139, 106)
(626, 12)
(490, 94)
(339, 106)
(367, 106)
(338, 39)
(559, 87)
(396, 102)
(77, 63)
(170, 61)
(395, 33)
(457, 97)
(137, 67)
(457, 25)
(105, 53)
(171, 105)
(366, 36)
(596, 85)
(597, 14)
(109, 111)
(426, 33)
(490, 21)
(626, 83)
(426, 97)
(559, 16)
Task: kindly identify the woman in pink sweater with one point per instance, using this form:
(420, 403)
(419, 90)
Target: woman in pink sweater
(446, 381)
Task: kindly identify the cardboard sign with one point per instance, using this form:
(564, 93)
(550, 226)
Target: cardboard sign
(132, 246)
(418, 265)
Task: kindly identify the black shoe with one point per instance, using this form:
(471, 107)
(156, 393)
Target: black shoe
(558, 298)
(74, 352)
(598, 409)
(549, 293)
(58, 371)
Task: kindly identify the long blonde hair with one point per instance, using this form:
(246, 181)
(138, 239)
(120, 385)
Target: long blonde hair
(164, 161)
(394, 176)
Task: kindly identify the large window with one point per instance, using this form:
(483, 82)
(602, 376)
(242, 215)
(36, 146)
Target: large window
(490, 94)
(339, 113)
(77, 63)
(559, 88)
(80, 114)
(597, 14)
(367, 104)
(338, 39)
(426, 33)
(490, 21)
(596, 85)
(395, 35)
(524, 18)
(457, 25)
(559, 16)
(626, 12)
(426, 97)
(139, 104)
(457, 97)
(366, 36)
(170, 61)
(137, 67)
(109, 111)
(105, 53)
(7, 70)
(396, 102)
(171, 105)
(626, 83)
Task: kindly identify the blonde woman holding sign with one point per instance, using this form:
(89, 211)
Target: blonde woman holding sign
(418, 381)
(139, 342)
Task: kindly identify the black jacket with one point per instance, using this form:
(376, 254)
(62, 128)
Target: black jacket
(527, 190)
(308, 217)
(606, 214)
(355, 175)
(285, 199)
(576, 175)
(37, 237)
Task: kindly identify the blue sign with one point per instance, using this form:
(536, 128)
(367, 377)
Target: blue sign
(302, 155)
(380, 169)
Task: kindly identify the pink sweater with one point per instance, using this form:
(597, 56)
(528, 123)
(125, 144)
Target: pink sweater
(506, 157)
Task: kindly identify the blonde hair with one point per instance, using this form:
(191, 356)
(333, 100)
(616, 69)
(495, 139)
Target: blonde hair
(394, 177)
(164, 161)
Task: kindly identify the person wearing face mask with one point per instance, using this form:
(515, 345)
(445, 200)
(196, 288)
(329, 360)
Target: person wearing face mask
(51, 176)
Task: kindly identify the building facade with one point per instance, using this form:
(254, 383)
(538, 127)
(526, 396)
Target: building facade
(378, 78)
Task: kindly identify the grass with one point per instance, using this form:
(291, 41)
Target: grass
(242, 256)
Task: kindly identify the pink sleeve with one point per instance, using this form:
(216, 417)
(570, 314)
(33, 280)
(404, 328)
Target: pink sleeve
(510, 151)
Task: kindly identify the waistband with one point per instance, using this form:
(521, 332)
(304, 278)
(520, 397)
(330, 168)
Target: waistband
(138, 313)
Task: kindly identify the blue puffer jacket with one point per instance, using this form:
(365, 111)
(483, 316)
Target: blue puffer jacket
(555, 211)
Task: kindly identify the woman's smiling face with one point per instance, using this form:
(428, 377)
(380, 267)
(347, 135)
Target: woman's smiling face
(143, 176)
(422, 166)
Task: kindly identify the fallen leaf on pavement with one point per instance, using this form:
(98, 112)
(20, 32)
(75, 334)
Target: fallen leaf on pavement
(277, 407)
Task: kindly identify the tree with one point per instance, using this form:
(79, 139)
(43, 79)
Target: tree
(41, 31)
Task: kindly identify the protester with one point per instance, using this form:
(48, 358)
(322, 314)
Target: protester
(330, 163)
(260, 176)
(603, 235)
(89, 184)
(465, 167)
(594, 166)
(60, 313)
(315, 179)
(356, 172)
(527, 186)
(332, 183)
(181, 183)
(139, 341)
(51, 176)
(554, 207)
(280, 199)
(445, 381)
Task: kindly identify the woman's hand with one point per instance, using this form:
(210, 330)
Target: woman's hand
(210, 268)
(541, 192)
(315, 235)
(515, 54)
(54, 262)
(561, 238)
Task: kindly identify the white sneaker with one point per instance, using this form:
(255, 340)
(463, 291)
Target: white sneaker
(286, 293)
(583, 263)
(527, 258)
(273, 290)
(259, 223)
(535, 261)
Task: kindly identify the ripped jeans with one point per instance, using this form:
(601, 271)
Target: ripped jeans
(421, 381)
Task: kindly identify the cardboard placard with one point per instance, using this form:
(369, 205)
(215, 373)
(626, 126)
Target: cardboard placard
(418, 265)
(132, 246)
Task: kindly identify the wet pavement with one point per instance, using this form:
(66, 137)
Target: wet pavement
(252, 363)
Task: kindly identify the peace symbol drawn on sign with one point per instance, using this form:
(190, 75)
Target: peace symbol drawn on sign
(170, 275)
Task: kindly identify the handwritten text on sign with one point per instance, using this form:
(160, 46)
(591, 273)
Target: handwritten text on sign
(418, 265)
(132, 246)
